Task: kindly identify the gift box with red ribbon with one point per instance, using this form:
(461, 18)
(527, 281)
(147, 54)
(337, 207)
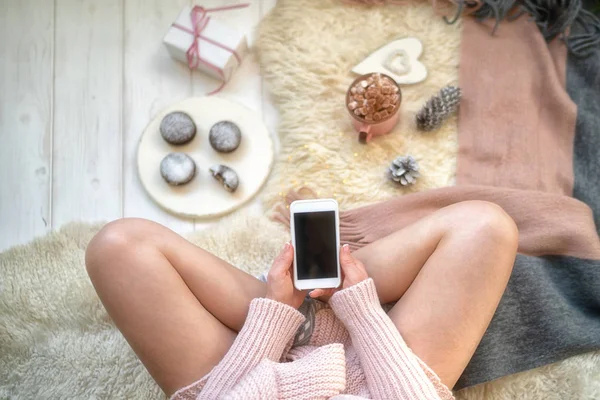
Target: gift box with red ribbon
(205, 43)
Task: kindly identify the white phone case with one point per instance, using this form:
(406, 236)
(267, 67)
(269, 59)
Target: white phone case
(304, 206)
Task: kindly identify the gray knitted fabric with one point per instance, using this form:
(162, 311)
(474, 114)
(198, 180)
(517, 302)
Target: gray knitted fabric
(548, 312)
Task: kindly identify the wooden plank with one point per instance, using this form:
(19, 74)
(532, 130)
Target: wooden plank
(26, 57)
(87, 111)
(152, 81)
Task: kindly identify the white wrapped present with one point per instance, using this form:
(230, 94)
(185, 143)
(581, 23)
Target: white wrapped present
(205, 43)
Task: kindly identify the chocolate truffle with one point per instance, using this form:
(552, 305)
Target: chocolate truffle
(177, 128)
(227, 176)
(177, 168)
(225, 136)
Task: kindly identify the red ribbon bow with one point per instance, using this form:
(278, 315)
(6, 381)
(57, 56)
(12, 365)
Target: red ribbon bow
(200, 19)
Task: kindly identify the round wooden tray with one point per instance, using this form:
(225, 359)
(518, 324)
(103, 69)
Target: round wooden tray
(204, 196)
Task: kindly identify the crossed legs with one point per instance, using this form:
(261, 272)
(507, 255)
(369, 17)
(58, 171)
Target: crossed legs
(180, 307)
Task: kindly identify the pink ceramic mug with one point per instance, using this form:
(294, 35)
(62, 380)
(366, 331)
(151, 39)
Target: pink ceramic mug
(366, 130)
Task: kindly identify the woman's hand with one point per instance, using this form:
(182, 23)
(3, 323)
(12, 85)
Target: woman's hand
(353, 272)
(280, 285)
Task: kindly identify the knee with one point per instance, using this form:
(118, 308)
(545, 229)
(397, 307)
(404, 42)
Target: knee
(486, 222)
(114, 241)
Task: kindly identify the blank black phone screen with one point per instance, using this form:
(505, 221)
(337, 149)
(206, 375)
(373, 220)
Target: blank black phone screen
(316, 245)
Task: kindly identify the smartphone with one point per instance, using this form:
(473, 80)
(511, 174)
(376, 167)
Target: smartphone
(315, 233)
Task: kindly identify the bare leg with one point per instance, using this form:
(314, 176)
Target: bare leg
(448, 271)
(178, 306)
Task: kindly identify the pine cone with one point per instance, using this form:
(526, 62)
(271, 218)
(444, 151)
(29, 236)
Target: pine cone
(404, 170)
(438, 108)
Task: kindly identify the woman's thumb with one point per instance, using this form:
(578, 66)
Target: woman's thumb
(346, 258)
(284, 260)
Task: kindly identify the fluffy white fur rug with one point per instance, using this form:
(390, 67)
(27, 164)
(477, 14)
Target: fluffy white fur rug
(56, 340)
(306, 49)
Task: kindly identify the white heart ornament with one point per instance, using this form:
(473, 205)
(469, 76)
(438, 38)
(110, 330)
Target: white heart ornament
(398, 59)
(398, 62)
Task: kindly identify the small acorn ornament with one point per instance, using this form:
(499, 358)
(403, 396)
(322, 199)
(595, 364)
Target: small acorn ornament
(438, 108)
(404, 170)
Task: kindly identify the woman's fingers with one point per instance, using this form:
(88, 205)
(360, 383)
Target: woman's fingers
(321, 292)
(347, 261)
(353, 270)
(282, 262)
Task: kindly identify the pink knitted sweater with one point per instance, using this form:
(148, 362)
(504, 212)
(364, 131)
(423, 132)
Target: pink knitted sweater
(355, 352)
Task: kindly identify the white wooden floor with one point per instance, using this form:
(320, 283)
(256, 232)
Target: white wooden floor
(79, 81)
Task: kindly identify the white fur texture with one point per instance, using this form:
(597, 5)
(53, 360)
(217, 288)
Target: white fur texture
(306, 49)
(56, 340)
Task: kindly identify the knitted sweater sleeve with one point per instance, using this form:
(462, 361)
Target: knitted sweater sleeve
(269, 328)
(319, 375)
(391, 369)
